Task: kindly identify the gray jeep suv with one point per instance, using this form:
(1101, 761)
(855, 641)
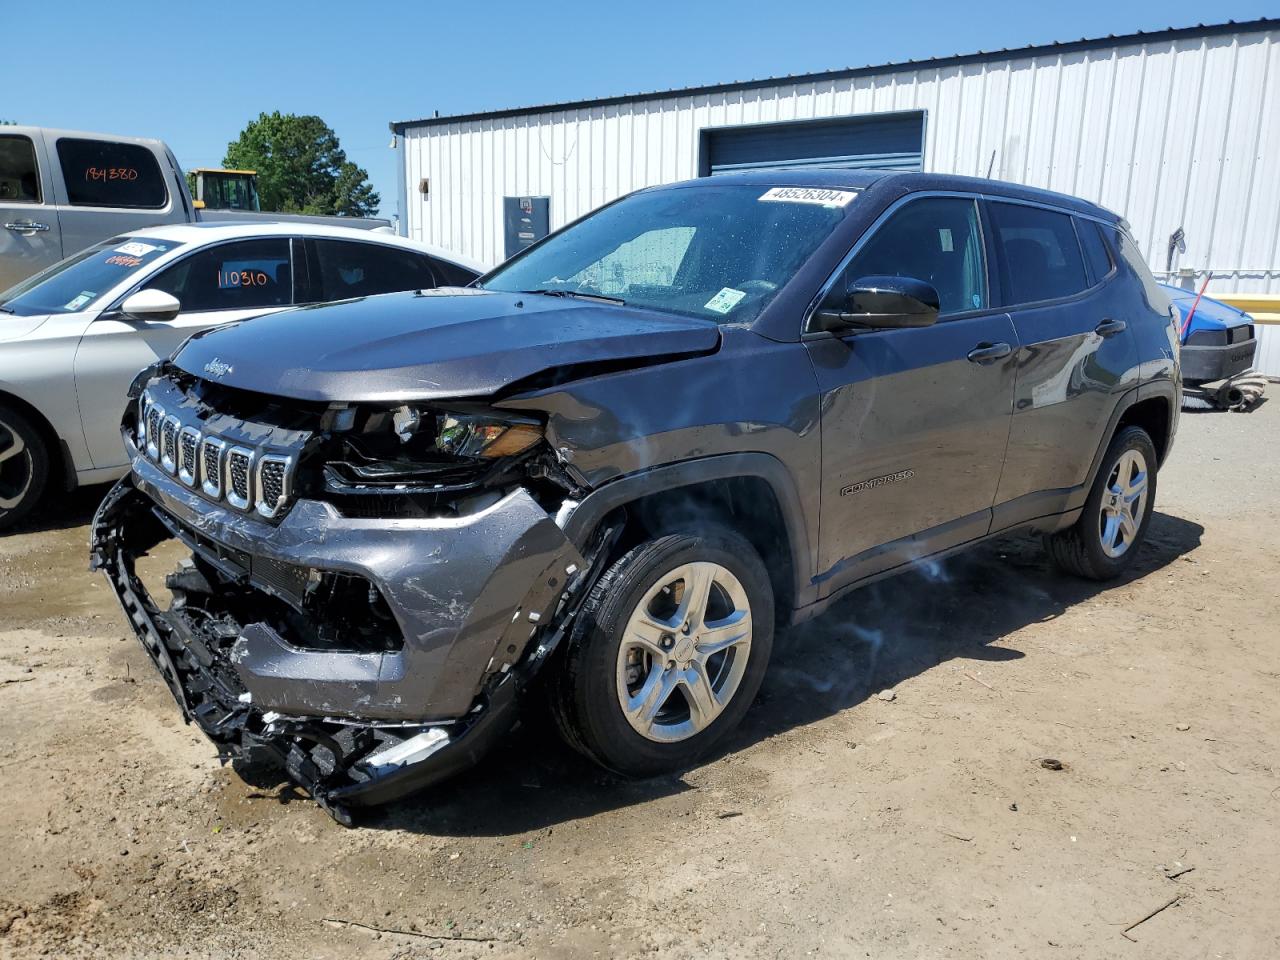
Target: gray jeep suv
(624, 458)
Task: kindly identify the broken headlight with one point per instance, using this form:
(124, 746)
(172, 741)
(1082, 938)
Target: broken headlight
(482, 435)
(423, 452)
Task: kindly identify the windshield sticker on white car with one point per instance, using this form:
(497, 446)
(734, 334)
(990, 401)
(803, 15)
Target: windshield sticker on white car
(725, 300)
(75, 303)
(823, 198)
(136, 248)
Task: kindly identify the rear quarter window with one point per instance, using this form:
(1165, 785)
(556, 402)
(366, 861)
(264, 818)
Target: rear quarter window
(1095, 248)
(451, 274)
(99, 173)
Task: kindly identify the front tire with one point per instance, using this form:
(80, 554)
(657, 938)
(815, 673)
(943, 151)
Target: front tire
(668, 652)
(1103, 542)
(24, 467)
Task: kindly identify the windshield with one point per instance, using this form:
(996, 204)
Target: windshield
(78, 282)
(716, 251)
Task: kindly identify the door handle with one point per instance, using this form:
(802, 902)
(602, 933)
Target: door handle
(989, 352)
(1109, 328)
(26, 226)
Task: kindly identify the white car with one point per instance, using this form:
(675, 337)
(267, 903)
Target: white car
(73, 337)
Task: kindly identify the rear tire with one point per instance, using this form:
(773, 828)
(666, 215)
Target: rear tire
(1103, 542)
(667, 653)
(24, 467)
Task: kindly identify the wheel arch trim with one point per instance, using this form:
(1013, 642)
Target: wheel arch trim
(1156, 390)
(592, 510)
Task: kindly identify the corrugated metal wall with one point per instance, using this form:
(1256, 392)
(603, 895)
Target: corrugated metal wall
(1171, 133)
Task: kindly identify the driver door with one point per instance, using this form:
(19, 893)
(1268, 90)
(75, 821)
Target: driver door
(915, 421)
(216, 286)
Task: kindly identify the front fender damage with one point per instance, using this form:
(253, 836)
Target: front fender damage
(202, 643)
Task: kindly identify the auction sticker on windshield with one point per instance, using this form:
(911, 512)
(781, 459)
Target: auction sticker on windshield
(823, 198)
(725, 300)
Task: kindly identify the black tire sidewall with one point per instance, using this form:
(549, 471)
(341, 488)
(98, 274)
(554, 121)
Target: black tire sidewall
(39, 464)
(1130, 438)
(598, 716)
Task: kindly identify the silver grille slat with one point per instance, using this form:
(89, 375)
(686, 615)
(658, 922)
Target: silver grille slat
(211, 451)
(155, 416)
(169, 428)
(274, 474)
(239, 491)
(144, 401)
(189, 455)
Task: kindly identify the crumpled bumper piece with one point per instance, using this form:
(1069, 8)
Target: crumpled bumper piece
(233, 680)
(466, 592)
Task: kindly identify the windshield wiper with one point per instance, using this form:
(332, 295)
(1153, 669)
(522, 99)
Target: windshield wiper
(578, 295)
(4, 309)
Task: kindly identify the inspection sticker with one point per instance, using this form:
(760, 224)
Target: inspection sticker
(725, 300)
(75, 303)
(136, 249)
(823, 198)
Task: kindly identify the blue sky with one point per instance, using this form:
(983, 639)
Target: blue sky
(194, 74)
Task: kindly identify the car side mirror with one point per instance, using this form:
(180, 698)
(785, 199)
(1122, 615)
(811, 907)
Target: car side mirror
(880, 303)
(151, 305)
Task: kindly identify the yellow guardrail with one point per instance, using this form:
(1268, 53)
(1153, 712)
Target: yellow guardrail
(1263, 307)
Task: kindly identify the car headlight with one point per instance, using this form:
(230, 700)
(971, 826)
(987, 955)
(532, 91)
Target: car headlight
(484, 435)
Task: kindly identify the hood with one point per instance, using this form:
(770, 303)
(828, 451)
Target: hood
(1210, 314)
(430, 345)
(14, 327)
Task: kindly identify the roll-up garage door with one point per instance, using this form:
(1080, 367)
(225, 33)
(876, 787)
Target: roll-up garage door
(887, 141)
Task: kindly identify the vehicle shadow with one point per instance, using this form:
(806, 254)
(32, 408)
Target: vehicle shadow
(873, 640)
(62, 511)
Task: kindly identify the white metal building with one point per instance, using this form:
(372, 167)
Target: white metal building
(1174, 129)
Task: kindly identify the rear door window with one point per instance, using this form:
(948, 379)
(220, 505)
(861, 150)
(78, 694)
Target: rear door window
(245, 275)
(344, 269)
(934, 239)
(1040, 256)
(19, 175)
(100, 173)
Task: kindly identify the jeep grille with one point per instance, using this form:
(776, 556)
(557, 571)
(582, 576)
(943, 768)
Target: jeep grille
(246, 479)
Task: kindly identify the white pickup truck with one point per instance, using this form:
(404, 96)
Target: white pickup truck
(62, 190)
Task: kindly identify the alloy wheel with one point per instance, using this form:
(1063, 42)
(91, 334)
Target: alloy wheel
(684, 652)
(16, 467)
(1123, 504)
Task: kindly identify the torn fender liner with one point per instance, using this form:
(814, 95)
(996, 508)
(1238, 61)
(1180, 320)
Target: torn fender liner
(342, 760)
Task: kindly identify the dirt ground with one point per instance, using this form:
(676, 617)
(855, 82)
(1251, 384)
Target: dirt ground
(837, 823)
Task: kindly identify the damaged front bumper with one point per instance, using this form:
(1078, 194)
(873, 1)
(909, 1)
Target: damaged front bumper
(478, 604)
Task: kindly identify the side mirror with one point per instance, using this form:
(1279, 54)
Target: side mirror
(881, 302)
(151, 305)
